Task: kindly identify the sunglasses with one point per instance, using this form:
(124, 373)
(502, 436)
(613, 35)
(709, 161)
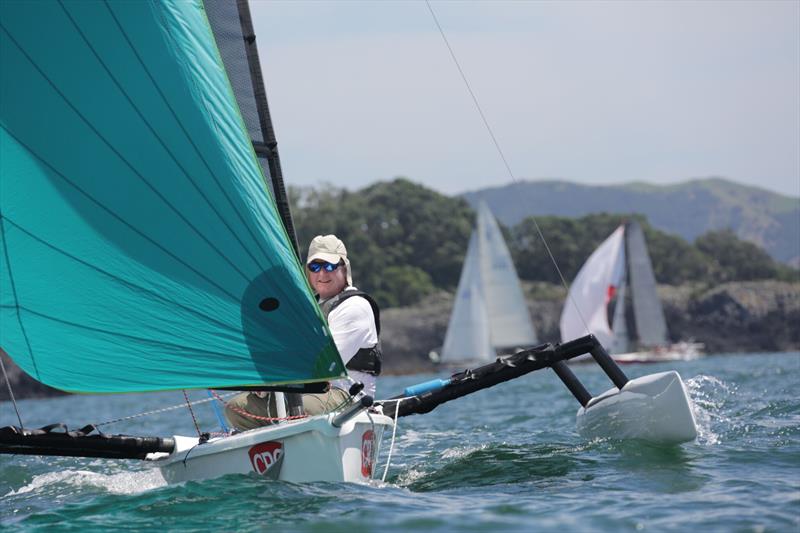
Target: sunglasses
(317, 266)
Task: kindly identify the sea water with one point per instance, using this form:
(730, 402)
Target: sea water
(504, 459)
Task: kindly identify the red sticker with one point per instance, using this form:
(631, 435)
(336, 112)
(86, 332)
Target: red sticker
(367, 447)
(264, 455)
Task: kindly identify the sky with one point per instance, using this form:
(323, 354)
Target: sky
(590, 92)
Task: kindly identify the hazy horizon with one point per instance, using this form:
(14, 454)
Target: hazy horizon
(540, 180)
(598, 93)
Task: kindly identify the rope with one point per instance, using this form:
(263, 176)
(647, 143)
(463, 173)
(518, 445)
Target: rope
(391, 444)
(189, 405)
(156, 411)
(11, 392)
(503, 157)
(256, 417)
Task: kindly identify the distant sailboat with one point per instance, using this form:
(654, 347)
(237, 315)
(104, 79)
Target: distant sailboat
(489, 314)
(621, 264)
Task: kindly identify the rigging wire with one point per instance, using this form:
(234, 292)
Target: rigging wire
(10, 391)
(156, 411)
(503, 157)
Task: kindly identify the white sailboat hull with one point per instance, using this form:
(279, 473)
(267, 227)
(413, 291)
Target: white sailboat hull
(655, 408)
(681, 351)
(305, 450)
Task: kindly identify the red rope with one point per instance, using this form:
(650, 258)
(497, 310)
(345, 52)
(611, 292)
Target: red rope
(256, 417)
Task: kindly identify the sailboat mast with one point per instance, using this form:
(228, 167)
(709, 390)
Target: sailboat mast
(268, 149)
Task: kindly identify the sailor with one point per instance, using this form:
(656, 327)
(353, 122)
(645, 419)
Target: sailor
(354, 321)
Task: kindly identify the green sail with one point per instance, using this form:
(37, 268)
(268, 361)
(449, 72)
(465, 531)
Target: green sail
(140, 249)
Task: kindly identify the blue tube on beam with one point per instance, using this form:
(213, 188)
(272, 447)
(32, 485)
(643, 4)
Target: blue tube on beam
(427, 386)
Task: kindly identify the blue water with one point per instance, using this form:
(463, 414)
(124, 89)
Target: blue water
(504, 459)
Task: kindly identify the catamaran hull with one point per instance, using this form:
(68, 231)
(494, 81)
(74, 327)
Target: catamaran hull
(307, 450)
(655, 407)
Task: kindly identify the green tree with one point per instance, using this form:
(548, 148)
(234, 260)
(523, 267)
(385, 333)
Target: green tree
(733, 259)
(403, 239)
(572, 241)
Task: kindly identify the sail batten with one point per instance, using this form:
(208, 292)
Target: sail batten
(140, 241)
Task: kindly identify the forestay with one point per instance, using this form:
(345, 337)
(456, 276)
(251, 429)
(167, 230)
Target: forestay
(140, 247)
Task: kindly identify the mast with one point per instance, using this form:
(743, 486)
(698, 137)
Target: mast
(232, 25)
(269, 148)
(244, 72)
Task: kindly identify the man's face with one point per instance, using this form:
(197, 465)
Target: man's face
(327, 284)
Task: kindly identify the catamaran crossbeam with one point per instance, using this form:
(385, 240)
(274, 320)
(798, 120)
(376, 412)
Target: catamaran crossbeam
(655, 407)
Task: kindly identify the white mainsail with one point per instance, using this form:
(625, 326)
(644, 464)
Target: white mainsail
(593, 288)
(489, 312)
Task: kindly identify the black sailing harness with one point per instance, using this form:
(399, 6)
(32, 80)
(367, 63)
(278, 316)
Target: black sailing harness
(367, 360)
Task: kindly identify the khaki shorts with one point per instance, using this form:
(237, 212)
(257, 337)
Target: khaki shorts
(252, 404)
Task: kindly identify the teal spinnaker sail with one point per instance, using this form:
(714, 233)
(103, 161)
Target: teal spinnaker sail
(139, 246)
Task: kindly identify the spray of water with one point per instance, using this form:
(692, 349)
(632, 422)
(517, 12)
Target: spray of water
(709, 396)
(119, 483)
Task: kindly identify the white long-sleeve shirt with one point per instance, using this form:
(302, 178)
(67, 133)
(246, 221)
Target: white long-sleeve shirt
(352, 325)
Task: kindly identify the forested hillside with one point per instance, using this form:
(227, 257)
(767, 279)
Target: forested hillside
(689, 209)
(406, 240)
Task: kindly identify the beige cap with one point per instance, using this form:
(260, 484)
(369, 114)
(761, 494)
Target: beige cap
(331, 249)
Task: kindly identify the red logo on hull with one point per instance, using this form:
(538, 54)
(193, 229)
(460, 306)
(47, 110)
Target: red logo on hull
(367, 449)
(265, 455)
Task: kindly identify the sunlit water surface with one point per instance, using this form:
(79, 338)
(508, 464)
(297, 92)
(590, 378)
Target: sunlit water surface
(505, 459)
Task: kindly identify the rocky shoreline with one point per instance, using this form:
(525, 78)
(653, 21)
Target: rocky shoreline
(740, 317)
(736, 317)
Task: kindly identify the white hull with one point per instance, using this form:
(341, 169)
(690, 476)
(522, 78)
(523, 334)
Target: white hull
(310, 449)
(682, 351)
(655, 407)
